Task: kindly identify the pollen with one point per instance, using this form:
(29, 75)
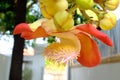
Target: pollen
(60, 53)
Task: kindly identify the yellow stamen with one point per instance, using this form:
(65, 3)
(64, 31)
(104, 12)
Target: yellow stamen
(61, 53)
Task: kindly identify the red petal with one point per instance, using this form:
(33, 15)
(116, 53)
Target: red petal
(89, 54)
(39, 32)
(22, 27)
(98, 34)
(27, 33)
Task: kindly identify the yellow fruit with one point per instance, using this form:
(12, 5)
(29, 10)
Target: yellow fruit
(111, 4)
(108, 22)
(50, 7)
(84, 4)
(63, 21)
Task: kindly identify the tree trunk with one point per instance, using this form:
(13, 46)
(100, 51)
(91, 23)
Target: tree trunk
(17, 55)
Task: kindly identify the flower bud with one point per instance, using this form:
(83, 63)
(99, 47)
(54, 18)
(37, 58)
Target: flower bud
(111, 4)
(84, 4)
(63, 21)
(108, 22)
(50, 7)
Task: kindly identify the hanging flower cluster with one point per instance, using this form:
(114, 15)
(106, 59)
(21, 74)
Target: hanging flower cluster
(75, 41)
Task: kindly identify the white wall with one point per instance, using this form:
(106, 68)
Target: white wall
(4, 67)
(37, 65)
(102, 72)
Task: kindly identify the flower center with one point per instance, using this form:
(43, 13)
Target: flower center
(61, 53)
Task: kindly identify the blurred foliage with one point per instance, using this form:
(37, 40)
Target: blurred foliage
(51, 39)
(7, 14)
(78, 18)
(33, 11)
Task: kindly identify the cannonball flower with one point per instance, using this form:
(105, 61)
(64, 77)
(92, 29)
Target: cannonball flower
(50, 7)
(108, 22)
(75, 43)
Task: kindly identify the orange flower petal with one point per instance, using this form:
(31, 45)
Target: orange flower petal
(67, 49)
(49, 26)
(22, 27)
(89, 54)
(68, 38)
(94, 32)
(40, 32)
(33, 26)
(26, 32)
